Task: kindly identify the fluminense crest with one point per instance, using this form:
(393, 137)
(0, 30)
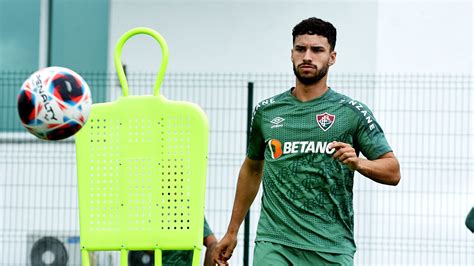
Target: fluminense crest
(325, 120)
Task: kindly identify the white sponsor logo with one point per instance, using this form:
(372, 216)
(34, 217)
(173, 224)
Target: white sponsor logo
(293, 147)
(364, 112)
(263, 103)
(307, 147)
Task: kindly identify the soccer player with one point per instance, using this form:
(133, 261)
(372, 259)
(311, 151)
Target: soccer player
(304, 146)
(470, 220)
(177, 257)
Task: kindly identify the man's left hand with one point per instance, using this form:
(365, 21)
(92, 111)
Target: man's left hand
(346, 154)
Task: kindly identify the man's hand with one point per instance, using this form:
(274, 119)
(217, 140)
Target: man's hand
(346, 154)
(210, 242)
(385, 169)
(224, 248)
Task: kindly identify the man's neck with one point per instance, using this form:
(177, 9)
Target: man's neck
(306, 93)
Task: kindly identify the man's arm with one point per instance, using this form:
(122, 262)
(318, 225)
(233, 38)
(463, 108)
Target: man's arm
(250, 177)
(210, 242)
(384, 170)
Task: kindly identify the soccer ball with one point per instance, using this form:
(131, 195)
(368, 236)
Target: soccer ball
(54, 103)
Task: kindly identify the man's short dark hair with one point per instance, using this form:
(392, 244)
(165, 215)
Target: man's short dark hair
(316, 26)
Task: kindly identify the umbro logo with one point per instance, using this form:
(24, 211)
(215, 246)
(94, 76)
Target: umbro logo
(277, 122)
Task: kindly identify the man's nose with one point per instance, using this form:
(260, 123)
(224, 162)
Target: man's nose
(307, 56)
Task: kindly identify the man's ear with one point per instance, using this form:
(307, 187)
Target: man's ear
(332, 58)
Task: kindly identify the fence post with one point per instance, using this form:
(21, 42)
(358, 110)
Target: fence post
(49, 39)
(247, 216)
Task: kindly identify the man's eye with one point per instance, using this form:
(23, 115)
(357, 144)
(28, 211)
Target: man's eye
(299, 49)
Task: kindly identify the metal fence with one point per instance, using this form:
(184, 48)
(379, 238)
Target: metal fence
(427, 118)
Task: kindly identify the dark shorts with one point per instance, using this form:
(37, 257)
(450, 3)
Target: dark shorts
(268, 253)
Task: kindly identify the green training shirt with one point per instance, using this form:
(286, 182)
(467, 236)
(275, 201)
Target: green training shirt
(307, 195)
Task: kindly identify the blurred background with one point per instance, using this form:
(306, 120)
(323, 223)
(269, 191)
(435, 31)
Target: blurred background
(411, 62)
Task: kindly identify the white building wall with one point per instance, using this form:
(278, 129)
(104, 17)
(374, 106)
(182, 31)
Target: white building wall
(425, 37)
(255, 36)
(240, 36)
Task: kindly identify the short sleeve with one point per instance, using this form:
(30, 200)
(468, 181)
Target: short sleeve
(207, 229)
(256, 147)
(370, 138)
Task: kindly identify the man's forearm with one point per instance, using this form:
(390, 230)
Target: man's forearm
(210, 242)
(250, 177)
(385, 170)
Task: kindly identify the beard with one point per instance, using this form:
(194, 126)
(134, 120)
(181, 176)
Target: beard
(311, 79)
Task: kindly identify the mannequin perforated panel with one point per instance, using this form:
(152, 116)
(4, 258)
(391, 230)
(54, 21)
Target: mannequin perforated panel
(142, 172)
